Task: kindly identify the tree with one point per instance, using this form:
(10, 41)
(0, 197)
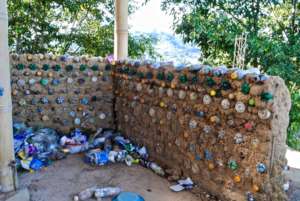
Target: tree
(273, 38)
(69, 26)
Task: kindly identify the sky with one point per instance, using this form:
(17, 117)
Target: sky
(150, 18)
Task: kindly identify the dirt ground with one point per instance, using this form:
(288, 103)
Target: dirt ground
(65, 178)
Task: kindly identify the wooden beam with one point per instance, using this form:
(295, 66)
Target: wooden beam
(121, 30)
(6, 132)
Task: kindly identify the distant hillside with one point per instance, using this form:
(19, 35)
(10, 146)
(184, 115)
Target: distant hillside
(173, 49)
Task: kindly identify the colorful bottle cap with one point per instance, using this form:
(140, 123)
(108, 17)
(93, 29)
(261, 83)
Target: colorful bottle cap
(181, 94)
(238, 138)
(193, 124)
(225, 104)
(170, 92)
(193, 96)
(232, 164)
(206, 99)
(264, 114)
(261, 168)
(240, 107)
(60, 100)
(44, 82)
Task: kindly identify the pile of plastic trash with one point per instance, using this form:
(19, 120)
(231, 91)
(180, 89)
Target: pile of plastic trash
(111, 147)
(100, 193)
(35, 148)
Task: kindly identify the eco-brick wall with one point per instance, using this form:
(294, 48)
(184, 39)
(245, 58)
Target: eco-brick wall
(227, 133)
(62, 92)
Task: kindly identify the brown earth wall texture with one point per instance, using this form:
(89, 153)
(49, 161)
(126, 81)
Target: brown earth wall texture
(62, 92)
(194, 125)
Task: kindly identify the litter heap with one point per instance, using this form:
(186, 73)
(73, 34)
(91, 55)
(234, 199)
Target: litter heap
(36, 148)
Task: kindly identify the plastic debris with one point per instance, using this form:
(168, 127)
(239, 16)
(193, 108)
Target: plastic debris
(97, 157)
(107, 192)
(128, 196)
(183, 185)
(157, 169)
(86, 194)
(98, 193)
(76, 143)
(286, 186)
(35, 148)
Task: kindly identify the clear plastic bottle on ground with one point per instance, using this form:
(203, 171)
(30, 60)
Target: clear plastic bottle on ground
(86, 194)
(107, 192)
(157, 169)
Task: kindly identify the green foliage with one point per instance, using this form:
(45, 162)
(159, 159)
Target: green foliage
(273, 29)
(69, 26)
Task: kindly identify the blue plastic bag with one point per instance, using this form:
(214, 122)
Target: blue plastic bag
(36, 164)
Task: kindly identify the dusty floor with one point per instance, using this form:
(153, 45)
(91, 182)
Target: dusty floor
(67, 177)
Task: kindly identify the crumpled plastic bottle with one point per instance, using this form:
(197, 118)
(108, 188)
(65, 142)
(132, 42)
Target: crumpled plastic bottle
(156, 168)
(107, 192)
(86, 194)
(97, 157)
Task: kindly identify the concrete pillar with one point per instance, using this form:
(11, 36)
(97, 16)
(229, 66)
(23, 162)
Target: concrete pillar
(121, 30)
(6, 131)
